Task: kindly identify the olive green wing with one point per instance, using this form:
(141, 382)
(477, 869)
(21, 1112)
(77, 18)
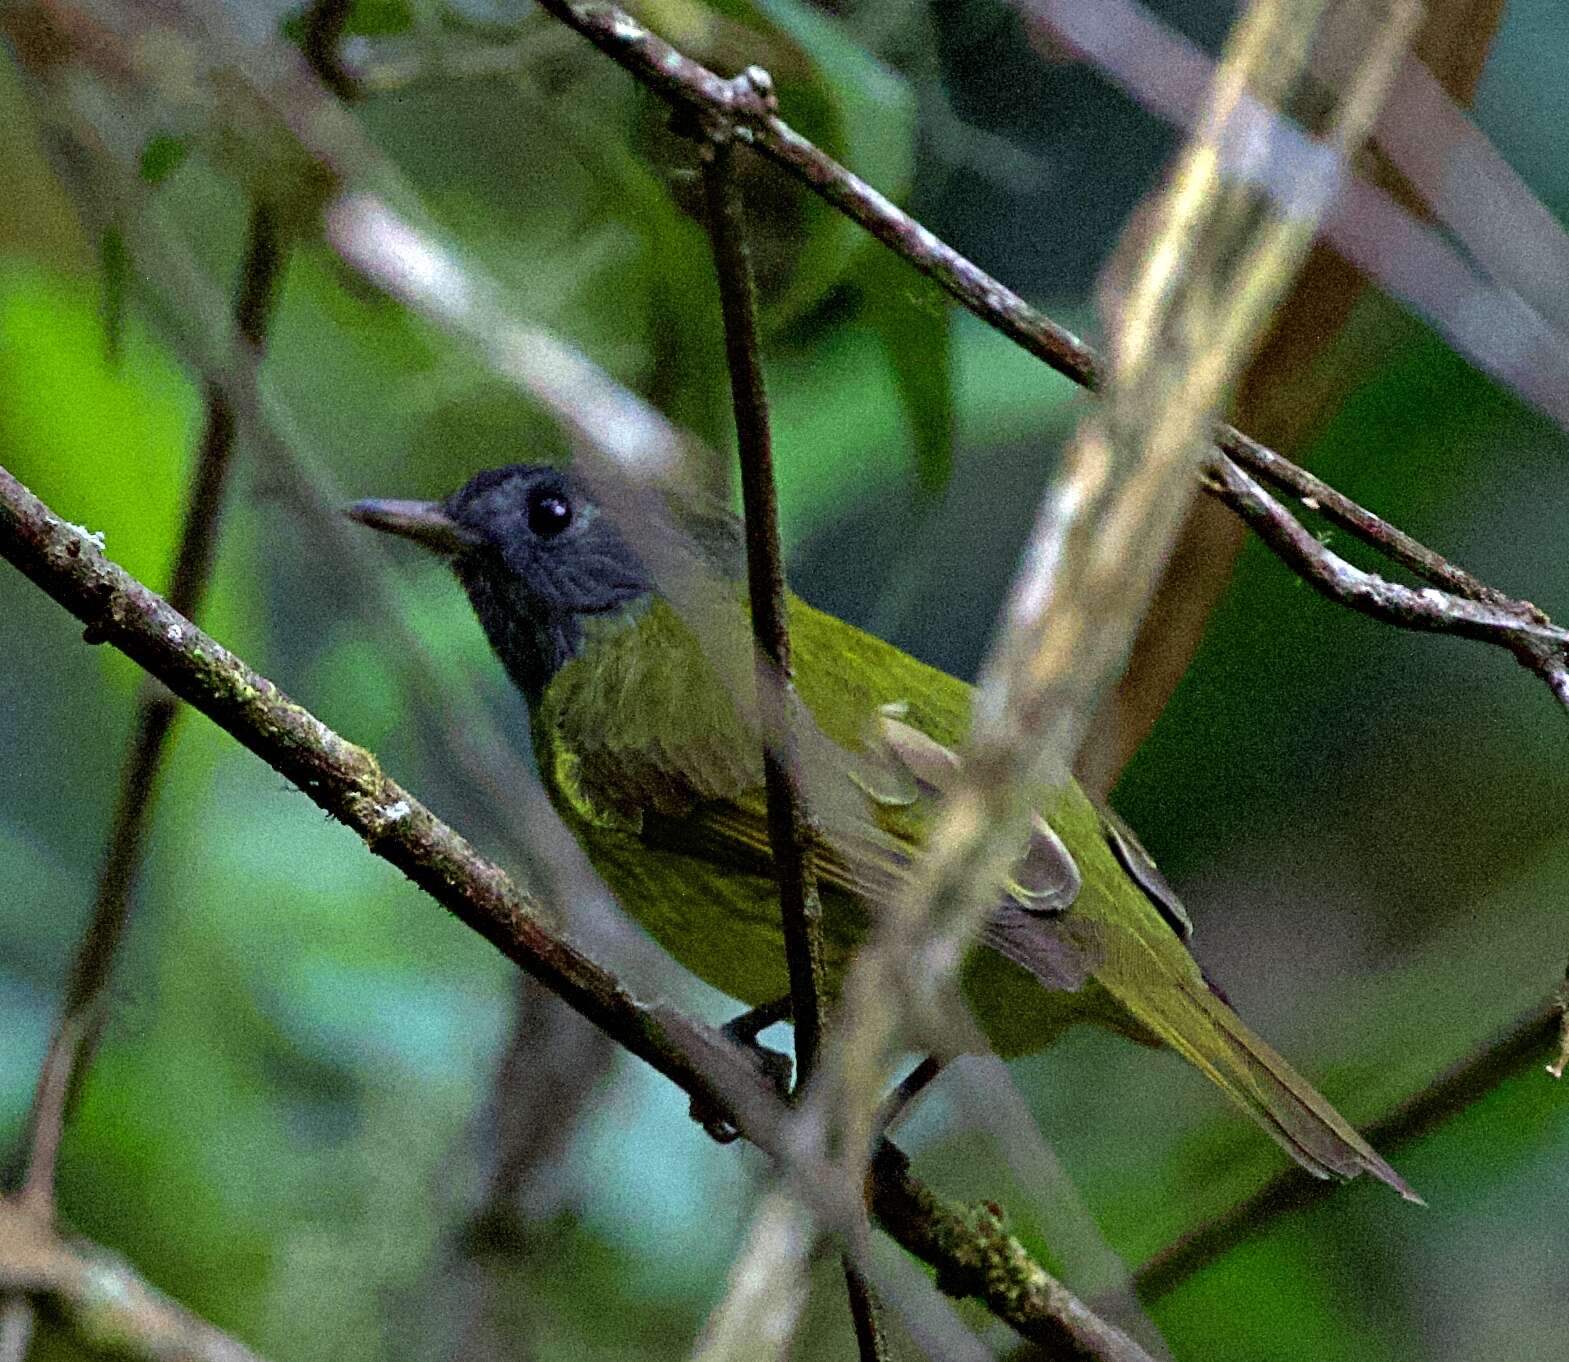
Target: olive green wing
(641, 734)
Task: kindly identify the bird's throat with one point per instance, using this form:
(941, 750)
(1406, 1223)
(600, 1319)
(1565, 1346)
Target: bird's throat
(532, 640)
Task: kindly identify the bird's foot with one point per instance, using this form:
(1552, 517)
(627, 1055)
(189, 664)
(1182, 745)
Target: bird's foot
(775, 1066)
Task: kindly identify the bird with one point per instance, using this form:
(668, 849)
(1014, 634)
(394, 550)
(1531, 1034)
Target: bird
(655, 764)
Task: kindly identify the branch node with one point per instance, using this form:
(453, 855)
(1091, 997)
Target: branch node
(752, 93)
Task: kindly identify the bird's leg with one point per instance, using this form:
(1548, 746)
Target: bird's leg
(745, 1029)
(774, 1065)
(915, 1082)
(776, 1068)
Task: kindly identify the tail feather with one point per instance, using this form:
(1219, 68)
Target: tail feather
(1210, 1036)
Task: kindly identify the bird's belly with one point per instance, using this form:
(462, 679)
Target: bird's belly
(721, 923)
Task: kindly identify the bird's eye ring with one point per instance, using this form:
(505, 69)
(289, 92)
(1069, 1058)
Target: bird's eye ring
(549, 513)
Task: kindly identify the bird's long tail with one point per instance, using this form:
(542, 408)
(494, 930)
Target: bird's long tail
(1206, 1032)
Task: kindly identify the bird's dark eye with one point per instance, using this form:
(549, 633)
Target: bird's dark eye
(548, 514)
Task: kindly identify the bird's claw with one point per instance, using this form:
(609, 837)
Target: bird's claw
(776, 1068)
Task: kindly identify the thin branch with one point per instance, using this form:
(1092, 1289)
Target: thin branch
(69, 565)
(980, 1258)
(675, 77)
(870, 1344)
(75, 1038)
(101, 1299)
(324, 24)
(789, 833)
(1395, 544)
(1427, 609)
(1544, 656)
(1518, 1048)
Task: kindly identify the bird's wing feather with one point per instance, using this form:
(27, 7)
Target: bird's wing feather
(643, 735)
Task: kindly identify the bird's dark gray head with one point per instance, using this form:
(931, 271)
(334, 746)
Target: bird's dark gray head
(536, 555)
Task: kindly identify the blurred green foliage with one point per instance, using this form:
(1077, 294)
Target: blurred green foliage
(1368, 826)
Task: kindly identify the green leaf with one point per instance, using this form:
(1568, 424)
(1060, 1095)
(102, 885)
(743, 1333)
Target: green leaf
(367, 19)
(871, 118)
(107, 447)
(912, 322)
(161, 157)
(840, 429)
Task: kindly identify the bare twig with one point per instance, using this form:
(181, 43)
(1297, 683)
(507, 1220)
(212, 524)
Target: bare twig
(1395, 544)
(345, 780)
(1427, 609)
(870, 1344)
(335, 145)
(688, 84)
(1541, 654)
(789, 831)
(75, 1037)
(677, 78)
(324, 24)
(103, 1301)
(1518, 1048)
